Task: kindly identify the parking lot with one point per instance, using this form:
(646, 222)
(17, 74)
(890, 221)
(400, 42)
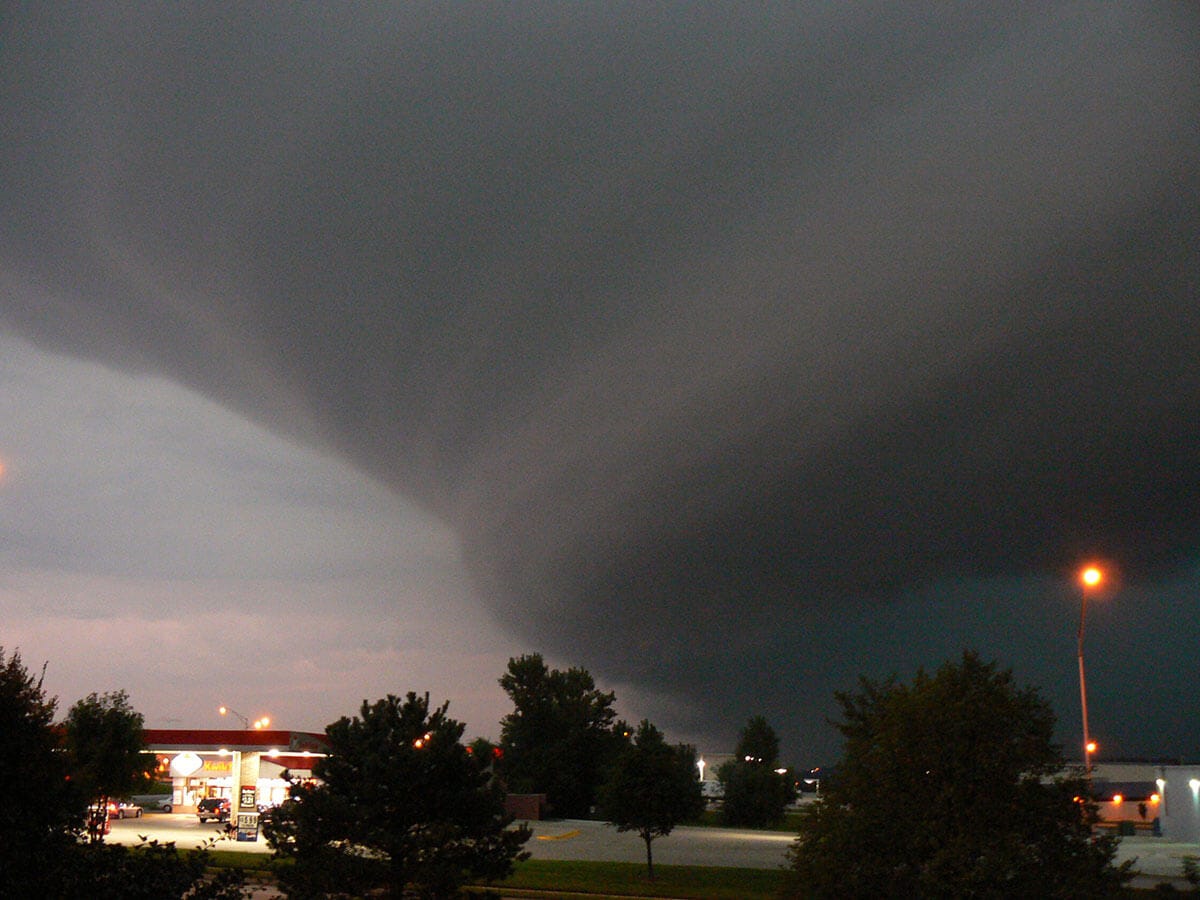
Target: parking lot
(1157, 859)
(182, 828)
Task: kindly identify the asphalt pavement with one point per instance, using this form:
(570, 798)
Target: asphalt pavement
(1156, 859)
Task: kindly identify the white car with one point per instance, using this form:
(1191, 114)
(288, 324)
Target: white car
(127, 811)
(153, 802)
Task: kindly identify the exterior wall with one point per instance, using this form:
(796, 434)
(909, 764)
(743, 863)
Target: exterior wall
(525, 807)
(1180, 808)
(713, 762)
(1128, 811)
(1125, 771)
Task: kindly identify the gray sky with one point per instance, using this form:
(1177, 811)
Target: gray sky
(729, 354)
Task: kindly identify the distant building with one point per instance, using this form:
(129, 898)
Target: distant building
(1179, 809)
(707, 765)
(1127, 792)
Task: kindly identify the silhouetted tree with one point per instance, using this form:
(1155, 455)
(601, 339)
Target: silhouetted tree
(42, 812)
(758, 743)
(755, 795)
(951, 787)
(104, 742)
(651, 788)
(400, 805)
(42, 815)
(560, 736)
(147, 871)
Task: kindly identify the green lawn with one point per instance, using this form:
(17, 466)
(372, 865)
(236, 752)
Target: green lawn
(602, 879)
(542, 878)
(611, 879)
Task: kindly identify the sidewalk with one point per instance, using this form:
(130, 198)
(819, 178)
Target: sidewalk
(1156, 859)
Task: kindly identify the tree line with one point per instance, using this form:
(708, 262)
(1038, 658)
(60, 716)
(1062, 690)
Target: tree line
(949, 786)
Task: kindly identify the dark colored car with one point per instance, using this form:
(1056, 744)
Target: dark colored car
(213, 808)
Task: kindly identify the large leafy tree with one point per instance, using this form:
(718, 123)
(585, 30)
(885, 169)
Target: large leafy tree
(560, 736)
(651, 788)
(756, 795)
(42, 810)
(400, 806)
(950, 787)
(105, 743)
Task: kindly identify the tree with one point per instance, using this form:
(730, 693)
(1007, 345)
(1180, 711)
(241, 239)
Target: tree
(42, 811)
(148, 871)
(756, 795)
(560, 736)
(105, 744)
(400, 805)
(651, 788)
(43, 814)
(758, 743)
(951, 787)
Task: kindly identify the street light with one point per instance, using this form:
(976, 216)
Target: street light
(258, 723)
(1091, 577)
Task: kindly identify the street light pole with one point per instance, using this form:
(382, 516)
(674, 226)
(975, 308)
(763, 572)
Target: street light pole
(1089, 578)
(258, 723)
(1087, 738)
(229, 710)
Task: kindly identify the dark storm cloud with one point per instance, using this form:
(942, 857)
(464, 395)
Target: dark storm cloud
(690, 322)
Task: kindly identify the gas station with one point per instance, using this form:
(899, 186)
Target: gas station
(246, 767)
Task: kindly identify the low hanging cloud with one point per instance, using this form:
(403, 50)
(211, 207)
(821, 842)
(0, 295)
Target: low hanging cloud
(687, 322)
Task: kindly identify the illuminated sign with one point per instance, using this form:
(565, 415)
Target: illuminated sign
(186, 764)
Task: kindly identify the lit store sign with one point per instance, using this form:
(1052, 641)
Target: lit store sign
(188, 764)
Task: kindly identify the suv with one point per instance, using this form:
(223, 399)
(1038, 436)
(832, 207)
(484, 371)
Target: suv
(213, 808)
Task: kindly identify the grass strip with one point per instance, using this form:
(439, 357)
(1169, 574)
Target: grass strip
(546, 878)
(239, 859)
(616, 879)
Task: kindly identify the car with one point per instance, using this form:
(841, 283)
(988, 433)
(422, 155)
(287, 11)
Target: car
(213, 808)
(154, 802)
(126, 810)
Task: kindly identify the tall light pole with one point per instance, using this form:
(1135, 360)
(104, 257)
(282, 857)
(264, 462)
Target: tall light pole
(1089, 578)
(258, 723)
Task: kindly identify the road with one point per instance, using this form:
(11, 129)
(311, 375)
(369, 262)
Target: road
(570, 839)
(1157, 859)
(688, 846)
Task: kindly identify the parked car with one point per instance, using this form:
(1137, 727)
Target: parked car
(154, 802)
(213, 808)
(127, 810)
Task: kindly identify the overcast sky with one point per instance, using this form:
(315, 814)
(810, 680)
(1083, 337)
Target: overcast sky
(727, 353)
